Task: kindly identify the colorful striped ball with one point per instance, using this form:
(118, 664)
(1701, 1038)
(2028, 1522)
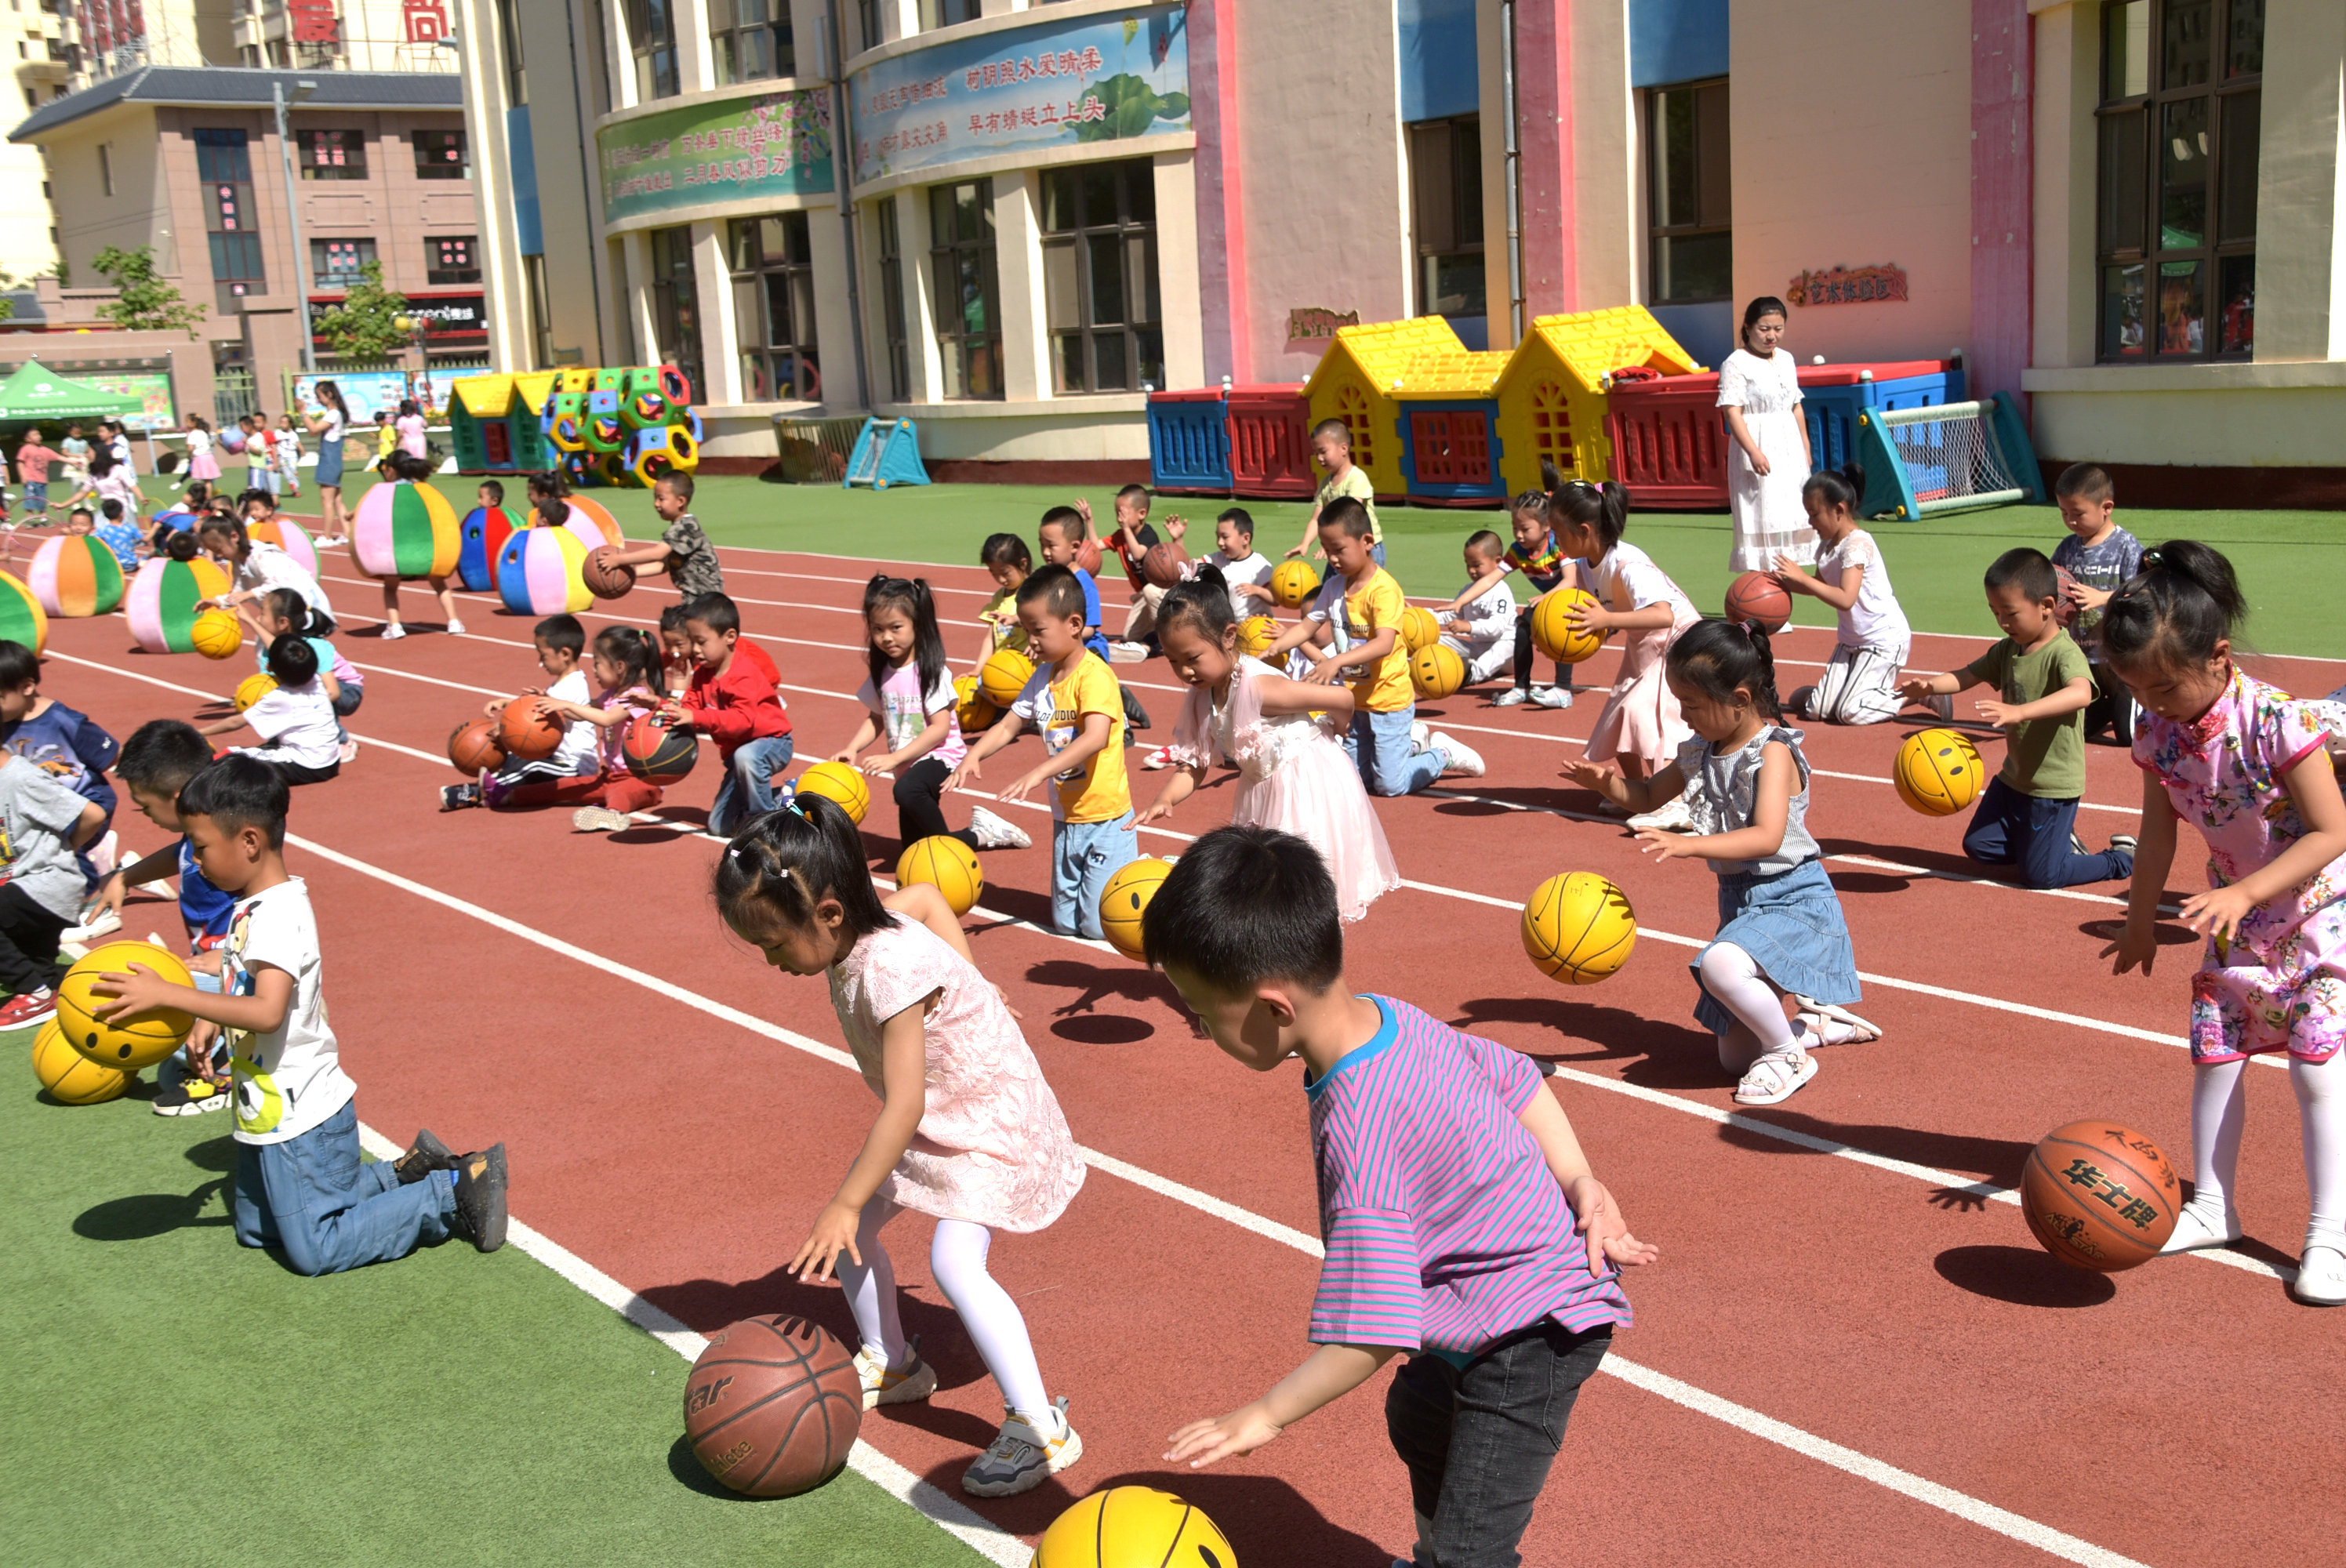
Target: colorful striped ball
(288, 536)
(593, 523)
(162, 603)
(405, 530)
(485, 531)
(75, 576)
(22, 619)
(538, 573)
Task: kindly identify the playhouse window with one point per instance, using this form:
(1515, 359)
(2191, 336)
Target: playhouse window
(1099, 277)
(1352, 408)
(1552, 427)
(1690, 237)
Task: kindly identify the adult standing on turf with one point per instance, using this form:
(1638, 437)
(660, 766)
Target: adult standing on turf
(1759, 387)
(329, 424)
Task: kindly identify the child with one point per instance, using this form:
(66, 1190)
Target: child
(116, 535)
(33, 461)
(62, 742)
(1768, 460)
(43, 826)
(1073, 702)
(907, 701)
(2103, 558)
(676, 652)
(1060, 539)
(554, 779)
(301, 738)
(112, 481)
(1780, 931)
(410, 428)
(1494, 1271)
(258, 568)
(1293, 774)
(386, 442)
(1861, 679)
(1535, 553)
(203, 457)
(1331, 448)
(1481, 630)
(331, 425)
(968, 1132)
(283, 614)
(683, 550)
(1244, 571)
(259, 466)
(1132, 541)
(1005, 560)
(626, 666)
(299, 1184)
(2244, 763)
(1640, 726)
(2028, 815)
(733, 701)
(407, 469)
(73, 451)
(286, 453)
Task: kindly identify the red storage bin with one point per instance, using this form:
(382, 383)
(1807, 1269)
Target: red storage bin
(1669, 440)
(1271, 443)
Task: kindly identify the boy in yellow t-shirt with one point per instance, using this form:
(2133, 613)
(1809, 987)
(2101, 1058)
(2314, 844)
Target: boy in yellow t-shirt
(1076, 704)
(1331, 448)
(1395, 754)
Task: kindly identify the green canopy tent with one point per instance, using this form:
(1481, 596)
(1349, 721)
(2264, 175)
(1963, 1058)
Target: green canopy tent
(36, 395)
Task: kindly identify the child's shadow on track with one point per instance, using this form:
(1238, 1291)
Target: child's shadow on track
(1659, 1054)
(1266, 1518)
(1093, 983)
(1996, 1160)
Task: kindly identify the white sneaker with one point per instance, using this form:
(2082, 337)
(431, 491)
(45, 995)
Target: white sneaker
(455, 628)
(1127, 653)
(882, 1387)
(1029, 1449)
(1160, 758)
(995, 832)
(1775, 1078)
(347, 752)
(393, 632)
(599, 819)
(1797, 705)
(103, 854)
(2196, 1229)
(2321, 1274)
(1420, 736)
(1671, 818)
(1551, 697)
(1457, 757)
(1510, 697)
(98, 924)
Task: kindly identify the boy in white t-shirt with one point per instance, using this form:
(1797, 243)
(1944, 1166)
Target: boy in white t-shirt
(1482, 631)
(300, 736)
(576, 764)
(299, 1185)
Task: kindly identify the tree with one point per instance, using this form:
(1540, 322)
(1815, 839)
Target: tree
(366, 324)
(143, 303)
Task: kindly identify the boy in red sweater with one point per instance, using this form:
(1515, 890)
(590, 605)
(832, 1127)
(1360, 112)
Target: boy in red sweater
(733, 702)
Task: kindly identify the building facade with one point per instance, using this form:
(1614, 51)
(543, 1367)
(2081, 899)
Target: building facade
(105, 38)
(32, 42)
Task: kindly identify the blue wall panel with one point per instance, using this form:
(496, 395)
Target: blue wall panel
(521, 153)
(1438, 67)
(1676, 41)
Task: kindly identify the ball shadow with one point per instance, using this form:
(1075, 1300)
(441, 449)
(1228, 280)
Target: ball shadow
(1870, 882)
(2023, 1276)
(683, 1464)
(215, 1155)
(1657, 1053)
(1103, 1029)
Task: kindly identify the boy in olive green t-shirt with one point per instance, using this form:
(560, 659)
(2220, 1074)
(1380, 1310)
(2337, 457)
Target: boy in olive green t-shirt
(1331, 448)
(2028, 815)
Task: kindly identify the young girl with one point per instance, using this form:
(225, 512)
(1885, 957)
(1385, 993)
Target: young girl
(968, 1130)
(1768, 458)
(410, 426)
(111, 481)
(909, 702)
(1780, 931)
(259, 465)
(625, 663)
(1536, 553)
(301, 738)
(1861, 681)
(1640, 726)
(676, 651)
(1293, 774)
(286, 451)
(330, 425)
(203, 463)
(407, 470)
(2245, 763)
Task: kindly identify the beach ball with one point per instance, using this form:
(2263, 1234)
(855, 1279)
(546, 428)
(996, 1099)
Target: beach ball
(404, 530)
(162, 603)
(22, 619)
(75, 575)
(538, 573)
(484, 533)
(288, 536)
(593, 523)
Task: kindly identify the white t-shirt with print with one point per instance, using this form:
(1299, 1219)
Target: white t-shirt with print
(1327, 606)
(1253, 570)
(904, 711)
(1875, 620)
(582, 742)
(297, 725)
(268, 567)
(289, 1079)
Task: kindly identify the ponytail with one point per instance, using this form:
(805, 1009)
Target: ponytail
(637, 653)
(2184, 601)
(1840, 488)
(1201, 600)
(1719, 659)
(776, 869)
(1603, 508)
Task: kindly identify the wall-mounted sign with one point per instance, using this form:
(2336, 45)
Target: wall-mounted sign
(457, 320)
(1309, 324)
(1849, 286)
(427, 20)
(1023, 89)
(314, 21)
(739, 150)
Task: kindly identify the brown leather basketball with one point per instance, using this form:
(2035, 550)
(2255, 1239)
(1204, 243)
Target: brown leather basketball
(772, 1406)
(472, 747)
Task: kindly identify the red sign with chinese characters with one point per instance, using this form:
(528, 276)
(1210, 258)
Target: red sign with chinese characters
(427, 20)
(1849, 286)
(314, 21)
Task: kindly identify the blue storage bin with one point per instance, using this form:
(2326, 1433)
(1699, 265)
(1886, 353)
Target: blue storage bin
(1834, 396)
(1190, 442)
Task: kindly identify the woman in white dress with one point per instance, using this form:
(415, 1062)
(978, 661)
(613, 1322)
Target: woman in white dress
(1768, 460)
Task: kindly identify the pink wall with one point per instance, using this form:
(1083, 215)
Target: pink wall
(1543, 111)
(2003, 80)
(1221, 207)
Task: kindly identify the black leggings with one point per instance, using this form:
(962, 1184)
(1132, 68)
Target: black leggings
(918, 814)
(28, 941)
(298, 772)
(1524, 655)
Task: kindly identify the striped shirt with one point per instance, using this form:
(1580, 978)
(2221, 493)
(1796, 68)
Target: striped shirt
(1544, 567)
(1445, 1231)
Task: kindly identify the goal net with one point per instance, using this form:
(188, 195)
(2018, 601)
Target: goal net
(1948, 457)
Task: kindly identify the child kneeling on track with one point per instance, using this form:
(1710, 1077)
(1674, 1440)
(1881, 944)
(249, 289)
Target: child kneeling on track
(1481, 627)
(281, 614)
(1060, 537)
(44, 823)
(2244, 763)
(258, 568)
(1781, 929)
(1007, 561)
(576, 763)
(732, 699)
(907, 701)
(300, 1185)
(301, 738)
(1497, 1273)
(969, 1131)
(1536, 553)
(1873, 638)
(1076, 703)
(626, 666)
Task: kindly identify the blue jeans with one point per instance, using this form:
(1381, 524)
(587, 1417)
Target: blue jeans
(1084, 855)
(37, 495)
(747, 790)
(2014, 829)
(1379, 746)
(326, 1209)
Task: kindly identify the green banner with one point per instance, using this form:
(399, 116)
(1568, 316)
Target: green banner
(742, 149)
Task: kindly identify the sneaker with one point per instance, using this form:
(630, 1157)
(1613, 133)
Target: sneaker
(994, 832)
(1127, 653)
(1135, 716)
(599, 819)
(425, 1155)
(99, 922)
(103, 853)
(2196, 1229)
(2321, 1274)
(2124, 843)
(456, 797)
(1457, 757)
(28, 1008)
(882, 1387)
(393, 632)
(347, 752)
(481, 1198)
(455, 628)
(1513, 697)
(1671, 816)
(1160, 758)
(1551, 697)
(1942, 703)
(190, 1097)
(1028, 1449)
(1420, 736)
(1775, 1078)
(1798, 703)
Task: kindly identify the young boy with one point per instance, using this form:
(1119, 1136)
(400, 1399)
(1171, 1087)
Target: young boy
(1535, 553)
(1132, 541)
(1076, 704)
(259, 467)
(33, 461)
(62, 742)
(2102, 557)
(1005, 560)
(2028, 815)
(1060, 538)
(1465, 1229)
(116, 535)
(683, 550)
(1481, 627)
(43, 824)
(299, 1185)
(300, 736)
(574, 771)
(733, 702)
(1331, 448)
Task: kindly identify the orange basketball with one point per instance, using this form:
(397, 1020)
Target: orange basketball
(1087, 556)
(527, 732)
(2099, 1196)
(604, 574)
(1757, 597)
(472, 747)
(772, 1406)
(1162, 564)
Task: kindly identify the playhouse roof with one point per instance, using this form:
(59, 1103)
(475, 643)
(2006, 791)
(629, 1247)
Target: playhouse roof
(535, 387)
(485, 397)
(1593, 344)
(1414, 359)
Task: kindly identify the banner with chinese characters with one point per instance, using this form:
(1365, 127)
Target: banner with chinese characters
(740, 149)
(1849, 286)
(151, 388)
(1114, 78)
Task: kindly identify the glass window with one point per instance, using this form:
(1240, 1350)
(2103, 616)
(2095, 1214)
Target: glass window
(935, 14)
(2177, 139)
(339, 263)
(892, 302)
(752, 40)
(105, 168)
(675, 300)
(867, 21)
(651, 35)
(332, 154)
(1445, 179)
(224, 163)
(772, 261)
(1100, 298)
(967, 303)
(1690, 216)
(452, 258)
(440, 155)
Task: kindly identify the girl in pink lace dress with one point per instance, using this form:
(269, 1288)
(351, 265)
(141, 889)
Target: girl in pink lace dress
(2246, 764)
(1293, 774)
(968, 1131)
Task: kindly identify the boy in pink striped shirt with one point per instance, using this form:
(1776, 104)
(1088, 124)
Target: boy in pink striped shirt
(1461, 1222)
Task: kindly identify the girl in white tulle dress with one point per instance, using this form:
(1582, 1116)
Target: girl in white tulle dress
(1293, 774)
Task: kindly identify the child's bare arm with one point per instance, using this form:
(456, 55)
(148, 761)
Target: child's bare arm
(1279, 694)
(1600, 1218)
(932, 735)
(1327, 1375)
(1916, 687)
(903, 1077)
(142, 989)
(1098, 728)
(2154, 857)
(1634, 796)
(1005, 730)
(920, 902)
(221, 725)
(1772, 805)
(2073, 697)
(864, 734)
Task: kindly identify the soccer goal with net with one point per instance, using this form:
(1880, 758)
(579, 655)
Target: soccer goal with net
(1949, 457)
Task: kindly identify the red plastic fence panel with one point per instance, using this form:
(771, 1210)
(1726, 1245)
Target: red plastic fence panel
(1270, 445)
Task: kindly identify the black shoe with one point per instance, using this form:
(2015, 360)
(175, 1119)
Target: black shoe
(481, 1198)
(456, 797)
(425, 1155)
(1135, 716)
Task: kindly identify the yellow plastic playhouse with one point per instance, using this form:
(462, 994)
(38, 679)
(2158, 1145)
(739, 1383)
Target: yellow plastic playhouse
(1552, 394)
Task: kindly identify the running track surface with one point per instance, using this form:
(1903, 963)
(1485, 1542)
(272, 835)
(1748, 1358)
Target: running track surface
(1851, 1350)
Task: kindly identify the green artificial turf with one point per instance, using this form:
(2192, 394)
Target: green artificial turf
(169, 1397)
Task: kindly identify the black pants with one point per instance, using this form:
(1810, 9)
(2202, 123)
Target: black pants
(28, 941)
(2112, 708)
(918, 814)
(1524, 655)
(1479, 1441)
(300, 772)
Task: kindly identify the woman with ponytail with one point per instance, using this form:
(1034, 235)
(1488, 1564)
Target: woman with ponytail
(1860, 682)
(1780, 931)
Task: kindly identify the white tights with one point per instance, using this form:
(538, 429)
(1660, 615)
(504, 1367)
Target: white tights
(2219, 1106)
(1733, 979)
(957, 1259)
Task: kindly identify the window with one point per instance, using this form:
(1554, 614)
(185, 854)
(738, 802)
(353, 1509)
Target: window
(892, 302)
(332, 154)
(968, 307)
(676, 301)
(935, 14)
(1690, 242)
(867, 21)
(1446, 177)
(773, 307)
(105, 168)
(2181, 97)
(339, 263)
(752, 39)
(1099, 277)
(224, 163)
(440, 155)
(452, 258)
(651, 33)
